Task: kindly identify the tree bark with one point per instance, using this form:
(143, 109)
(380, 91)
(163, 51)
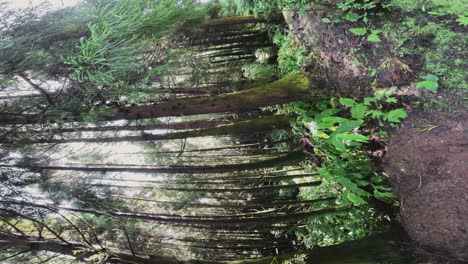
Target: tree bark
(286, 160)
(189, 220)
(230, 205)
(51, 245)
(288, 89)
(250, 127)
(369, 250)
(212, 190)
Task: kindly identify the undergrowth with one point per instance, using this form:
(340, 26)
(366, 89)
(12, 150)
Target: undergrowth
(336, 131)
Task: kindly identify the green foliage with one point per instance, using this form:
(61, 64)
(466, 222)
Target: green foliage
(358, 5)
(114, 63)
(122, 33)
(290, 56)
(269, 7)
(338, 138)
(361, 31)
(280, 135)
(359, 222)
(147, 18)
(103, 58)
(264, 8)
(430, 83)
(353, 17)
(374, 36)
(235, 7)
(432, 7)
(444, 41)
(331, 230)
(260, 72)
(296, 259)
(462, 20)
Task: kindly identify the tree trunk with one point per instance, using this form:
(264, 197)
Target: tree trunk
(51, 245)
(288, 89)
(169, 126)
(211, 190)
(375, 249)
(213, 222)
(250, 127)
(290, 159)
(229, 205)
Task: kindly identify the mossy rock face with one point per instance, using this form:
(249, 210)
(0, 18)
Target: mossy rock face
(412, 39)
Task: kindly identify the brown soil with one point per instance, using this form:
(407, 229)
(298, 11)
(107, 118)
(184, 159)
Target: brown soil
(342, 62)
(428, 169)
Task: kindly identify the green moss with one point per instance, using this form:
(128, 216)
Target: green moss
(436, 7)
(432, 40)
(259, 125)
(292, 86)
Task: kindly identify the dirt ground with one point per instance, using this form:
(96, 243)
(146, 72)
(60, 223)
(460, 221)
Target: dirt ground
(427, 159)
(340, 62)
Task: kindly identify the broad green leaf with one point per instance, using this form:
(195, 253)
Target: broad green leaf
(431, 86)
(359, 111)
(325, 174)
(369, 100)
(334, 119)
(396, 115)
(326, 113)
(375, 113)
(324, 125)
(359, 31)
(348, 102)
(326, 20)
(352, 186)
(387, 197)
(353, 17)
(462, 20)
(355, 199)
(338, 143)
(344, 136)
(373, 38)
(383, 188)
(348, 126)
(431, 77)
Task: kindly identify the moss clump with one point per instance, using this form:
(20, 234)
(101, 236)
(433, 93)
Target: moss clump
(441, 7)
(432, 38)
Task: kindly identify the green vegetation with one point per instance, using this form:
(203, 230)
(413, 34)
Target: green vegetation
(436, 39)
(234, 139)
(337, 138)
(263, 8)
(290, 56)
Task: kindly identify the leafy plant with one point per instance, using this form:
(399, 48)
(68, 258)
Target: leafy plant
(290, 56)
(361, 31)
(353, 17)
(430, 83)
(271, 7)
(462, 20)
(374, 36)
(363, 5)
(337, 137)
